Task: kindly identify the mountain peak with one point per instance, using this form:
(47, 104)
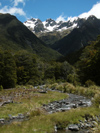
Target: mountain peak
(50, 22)
(50, 25)
(33, 19)
(49, 19)
(92, 17)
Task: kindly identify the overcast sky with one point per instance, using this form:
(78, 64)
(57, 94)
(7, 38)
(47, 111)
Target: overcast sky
(55, 9)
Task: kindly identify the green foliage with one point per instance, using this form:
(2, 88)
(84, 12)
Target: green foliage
(8, 76)
(91, 91)
(89, 83)
(89, 64)
(1, 87)
(96, 100)
(1, 65)
(26, 67)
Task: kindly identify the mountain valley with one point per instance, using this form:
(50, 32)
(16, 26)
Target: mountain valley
(49, 75)
(58, 35)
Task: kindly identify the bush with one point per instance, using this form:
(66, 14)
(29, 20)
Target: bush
(60, 87)
(89, 83)
(53, 86)
(73, 79)
(70, 88)
(96, 100)
(1, 87)
(36, 112)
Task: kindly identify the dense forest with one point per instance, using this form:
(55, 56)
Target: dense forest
(24, 68)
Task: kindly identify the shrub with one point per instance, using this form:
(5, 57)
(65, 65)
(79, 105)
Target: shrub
(96, 100)
(53, 86)
(36, 112)
(1, 87)
(60, 87)
(89, 83)
(70, 88)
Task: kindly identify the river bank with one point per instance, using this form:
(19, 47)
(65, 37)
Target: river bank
(47, 111)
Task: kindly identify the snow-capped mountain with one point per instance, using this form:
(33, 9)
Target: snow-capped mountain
(50, 25)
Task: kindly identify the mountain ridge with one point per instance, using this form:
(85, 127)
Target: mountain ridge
(51, 31)
(79, 37)
(16, 36)
(50, 25)
(70, 36)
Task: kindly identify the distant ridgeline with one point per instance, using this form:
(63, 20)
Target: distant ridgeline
(66, 36)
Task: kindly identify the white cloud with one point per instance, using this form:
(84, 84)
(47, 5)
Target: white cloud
(13, 10)
(61, 18)
(94, 11)
(16, 2)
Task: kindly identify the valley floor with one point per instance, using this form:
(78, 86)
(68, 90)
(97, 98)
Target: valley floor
(22, 110)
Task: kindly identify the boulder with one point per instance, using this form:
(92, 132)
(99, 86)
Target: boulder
(2, 121)
(73, 127)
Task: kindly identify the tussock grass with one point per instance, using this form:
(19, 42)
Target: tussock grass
(45, 123)
(27, 101)
(40, 121)
(70, 88)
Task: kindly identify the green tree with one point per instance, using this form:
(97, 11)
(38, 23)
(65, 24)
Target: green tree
(9, 77)
(26, 67)
(1, 66)
(89, 63)
(66, 69)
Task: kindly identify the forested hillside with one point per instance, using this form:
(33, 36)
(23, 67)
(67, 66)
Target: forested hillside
(89, 63)
(15, 36)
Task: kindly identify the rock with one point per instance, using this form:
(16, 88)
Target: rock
(55, 128)
(43, 91)
(6, 102)
(73, 127)
(87, 125)
(14, 117)
(2, 121)
(21, 116)
(81, 103)
(10, 116)
(94, 123)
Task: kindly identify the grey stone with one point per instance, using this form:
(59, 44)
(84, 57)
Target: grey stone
(21, 116)
(2, 119)
(73, 127)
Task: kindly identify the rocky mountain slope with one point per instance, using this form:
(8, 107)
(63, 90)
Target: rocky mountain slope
(16, 36)
(79, 37)
(50, 25)
(50, 30)
(66, 36)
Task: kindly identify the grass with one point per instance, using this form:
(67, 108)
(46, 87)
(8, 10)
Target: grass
(45, 123)
(40, 121)
(70, 88)
(27, 101)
